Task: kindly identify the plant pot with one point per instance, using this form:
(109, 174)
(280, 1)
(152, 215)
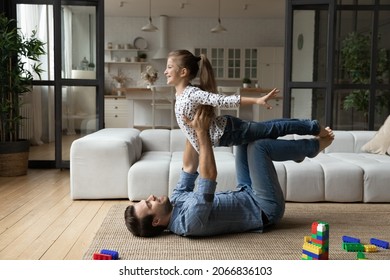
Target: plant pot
(245, 85)
(14, 158)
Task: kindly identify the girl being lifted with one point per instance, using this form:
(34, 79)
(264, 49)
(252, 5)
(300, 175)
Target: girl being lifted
(183, 67)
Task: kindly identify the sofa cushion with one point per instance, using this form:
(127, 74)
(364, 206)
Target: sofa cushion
(99, 161)
(305, 181)
(380, 143)
(345, 186)
(155, 140)
(149, 175)
(178, 140)
(376, 170)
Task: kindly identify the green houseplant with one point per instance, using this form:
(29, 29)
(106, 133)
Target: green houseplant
(15, 80)
(356, 60)
(142, 57)
(246, 82)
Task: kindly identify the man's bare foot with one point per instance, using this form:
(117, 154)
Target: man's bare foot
(325, 141)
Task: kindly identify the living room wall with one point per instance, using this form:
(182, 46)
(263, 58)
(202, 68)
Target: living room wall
(188, 33)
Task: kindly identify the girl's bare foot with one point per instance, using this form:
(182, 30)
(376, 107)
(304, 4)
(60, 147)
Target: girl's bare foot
(330, 132)
(325, 132)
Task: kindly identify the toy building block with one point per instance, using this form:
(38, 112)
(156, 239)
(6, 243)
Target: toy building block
(312, 248)
(353, 247)
(99, 256)
(313, 256)
(370, 248)
(306, 238)
(350, 239)
(316, 246)
(113, 254)
(379, 243)
(361, 256)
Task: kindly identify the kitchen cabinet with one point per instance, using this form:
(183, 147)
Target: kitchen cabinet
(231, 63)
(262, 64)
(116, 111)
(271, 67)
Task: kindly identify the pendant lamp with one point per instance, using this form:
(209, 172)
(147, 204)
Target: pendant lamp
(218, 28)
(149, 27)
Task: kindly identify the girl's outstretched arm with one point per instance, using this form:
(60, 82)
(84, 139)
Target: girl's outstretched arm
(263, 100)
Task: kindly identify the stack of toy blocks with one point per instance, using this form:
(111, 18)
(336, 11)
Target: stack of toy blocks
(316, 246)
(106, 255)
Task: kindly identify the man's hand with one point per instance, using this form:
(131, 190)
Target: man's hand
(201, 121)
(201, 124)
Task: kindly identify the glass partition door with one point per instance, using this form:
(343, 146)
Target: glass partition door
(65, 104)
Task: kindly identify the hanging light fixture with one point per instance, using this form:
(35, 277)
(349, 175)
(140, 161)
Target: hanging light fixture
(218, 28)
(150, 27)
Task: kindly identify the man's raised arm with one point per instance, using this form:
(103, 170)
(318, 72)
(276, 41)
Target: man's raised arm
(201, 124)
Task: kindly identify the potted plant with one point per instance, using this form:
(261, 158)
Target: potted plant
(15, 80)
(120, 81)
(142, 57)
(356, 60)
(246, 82)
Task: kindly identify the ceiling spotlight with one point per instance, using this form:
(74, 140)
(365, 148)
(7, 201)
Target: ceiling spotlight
(218, 28)
(149, 27)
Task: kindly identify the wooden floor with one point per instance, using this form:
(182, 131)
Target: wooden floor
(39, 220)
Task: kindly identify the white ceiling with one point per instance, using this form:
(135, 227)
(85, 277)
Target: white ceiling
(197, 8)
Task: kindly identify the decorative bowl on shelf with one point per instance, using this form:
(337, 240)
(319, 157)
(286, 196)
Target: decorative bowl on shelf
(140, 43)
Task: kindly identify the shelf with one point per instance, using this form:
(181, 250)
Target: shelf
(125, 62)
(126, 50)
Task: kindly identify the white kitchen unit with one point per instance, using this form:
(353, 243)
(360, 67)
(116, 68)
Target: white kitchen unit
(271, 67)
(117, 111)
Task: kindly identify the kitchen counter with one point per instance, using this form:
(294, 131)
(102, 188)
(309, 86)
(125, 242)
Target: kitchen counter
(137, 96)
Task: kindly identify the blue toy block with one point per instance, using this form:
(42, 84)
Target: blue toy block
(113, 254)
(349, 239)
(379, 243)
(311, 254)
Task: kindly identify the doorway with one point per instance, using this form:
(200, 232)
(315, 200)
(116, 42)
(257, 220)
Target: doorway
(67, 102)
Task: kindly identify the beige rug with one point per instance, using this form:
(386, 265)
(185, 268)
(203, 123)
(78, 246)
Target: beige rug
(283, 242)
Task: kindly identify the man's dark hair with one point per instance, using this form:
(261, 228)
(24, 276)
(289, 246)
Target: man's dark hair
(141, 227)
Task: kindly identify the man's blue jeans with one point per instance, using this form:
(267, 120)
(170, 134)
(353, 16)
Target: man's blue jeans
(254, 168)
(239, 131)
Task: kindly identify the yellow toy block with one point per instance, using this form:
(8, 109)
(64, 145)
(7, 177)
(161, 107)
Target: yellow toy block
(306, 238)
(312, 248)
(370, 248)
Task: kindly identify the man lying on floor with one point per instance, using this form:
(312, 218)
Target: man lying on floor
(257, 203)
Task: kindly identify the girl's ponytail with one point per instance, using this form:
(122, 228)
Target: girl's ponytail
(206, 75)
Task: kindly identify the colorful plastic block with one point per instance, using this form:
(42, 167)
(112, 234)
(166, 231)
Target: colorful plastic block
(370, 248)
(361, 256)
(312, 248)
(306, 238)
(353, 247)
(350, 239)
(316, 246)
(113, 254)
(99, 256)
(379, 243)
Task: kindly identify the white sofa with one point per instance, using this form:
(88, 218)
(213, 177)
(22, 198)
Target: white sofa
(128, 163)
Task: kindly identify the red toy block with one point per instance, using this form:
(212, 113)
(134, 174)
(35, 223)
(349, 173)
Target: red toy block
(98, 256)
